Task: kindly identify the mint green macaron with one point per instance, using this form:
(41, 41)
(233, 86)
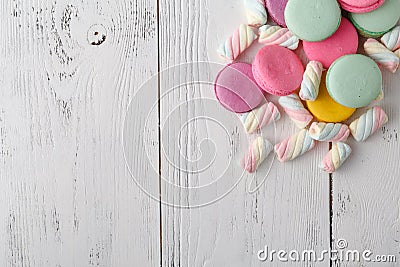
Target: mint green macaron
(313, 20)
(376, 23)
(354, 81)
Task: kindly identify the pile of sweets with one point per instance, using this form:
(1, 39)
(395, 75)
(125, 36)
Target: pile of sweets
(325, 93)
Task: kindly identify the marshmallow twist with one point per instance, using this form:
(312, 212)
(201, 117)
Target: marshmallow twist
(295, 110)
(392, 39)
(397, 52)
(329, 132)
(311, 81)
(381, 55)
(260, 117)
(294, 146)
(380, 97)
(243, 37)
(276, 35)
(256, 13)
(335, 158)
(258, 152)
(368, 123)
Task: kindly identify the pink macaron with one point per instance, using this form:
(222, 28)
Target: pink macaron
(236, 89)
(343, 42)
(276, 10)
(278, 70)
(360, 6)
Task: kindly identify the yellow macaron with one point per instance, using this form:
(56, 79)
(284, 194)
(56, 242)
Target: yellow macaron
(325, 109)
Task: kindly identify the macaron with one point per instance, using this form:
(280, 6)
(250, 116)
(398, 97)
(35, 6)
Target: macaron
(277, 70)
(276, 11)
(312, 20)
(360, 6)
(236, 89)
(378, 22)
(354, 81)
(325, 109)
(344, 41)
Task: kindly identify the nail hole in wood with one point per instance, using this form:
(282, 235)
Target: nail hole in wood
(97, 35)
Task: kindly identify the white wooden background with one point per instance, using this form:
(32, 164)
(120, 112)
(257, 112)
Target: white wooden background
(70, 68)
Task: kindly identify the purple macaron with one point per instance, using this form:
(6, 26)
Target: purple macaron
(276, 10)
(236, 88)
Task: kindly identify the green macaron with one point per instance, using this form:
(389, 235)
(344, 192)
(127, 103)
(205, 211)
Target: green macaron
(354, 81)
(376, 23)
(313, 20)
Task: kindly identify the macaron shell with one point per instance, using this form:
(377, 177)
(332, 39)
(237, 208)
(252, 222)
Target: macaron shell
(365, 33)
(276, 10)
(354, 81)
(377, 22)
(344, 41)
(236, 89)
(358, 3)
(325, 109)
(312, 20)
(277, 70)
(360, 7)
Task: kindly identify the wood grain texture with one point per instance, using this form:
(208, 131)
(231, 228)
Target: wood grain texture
(366, 198)
(73, 139)
(68, 71)
(290, 211)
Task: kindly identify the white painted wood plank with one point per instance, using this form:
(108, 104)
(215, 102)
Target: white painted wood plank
(67, 198)
(366, 198)
(290, 211)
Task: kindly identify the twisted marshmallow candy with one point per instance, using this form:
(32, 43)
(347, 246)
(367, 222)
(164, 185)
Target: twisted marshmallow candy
(368, 123)
(294, 146)
(256, 12)
(258, 152)
(329, 132)
(295, 110)
(276, 35)
(381, 55)
(380, 97)
(397, 53)
(392, 39)
(335, 158)
(311, 81)
(243, 37)
(260, 117)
